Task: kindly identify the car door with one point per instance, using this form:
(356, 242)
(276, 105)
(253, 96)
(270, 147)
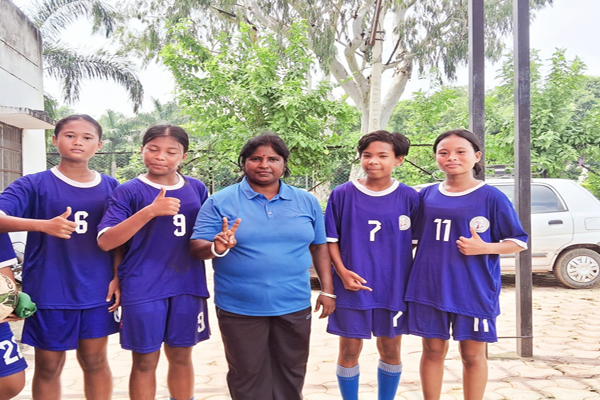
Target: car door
(551, 225)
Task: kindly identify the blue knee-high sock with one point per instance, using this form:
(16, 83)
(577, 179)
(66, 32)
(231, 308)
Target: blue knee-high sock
(388, 377)
(348, 381)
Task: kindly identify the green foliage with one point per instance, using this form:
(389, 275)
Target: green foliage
(565, 119)
(252, 84)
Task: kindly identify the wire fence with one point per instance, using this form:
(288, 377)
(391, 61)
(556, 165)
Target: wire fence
(127, 165)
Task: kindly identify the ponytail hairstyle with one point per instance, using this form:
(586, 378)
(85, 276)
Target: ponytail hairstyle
(76, 117)
(467, 135)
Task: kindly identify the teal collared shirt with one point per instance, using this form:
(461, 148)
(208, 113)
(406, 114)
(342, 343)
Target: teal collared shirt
(266, 273)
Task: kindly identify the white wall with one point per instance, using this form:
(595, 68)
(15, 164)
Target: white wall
(21, 77)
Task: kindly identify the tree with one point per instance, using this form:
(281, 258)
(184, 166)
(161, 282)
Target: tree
(253, 84)
(418, 33)
(68, 65)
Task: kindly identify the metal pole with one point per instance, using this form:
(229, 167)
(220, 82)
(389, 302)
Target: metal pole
(523, 174)
(477, 75)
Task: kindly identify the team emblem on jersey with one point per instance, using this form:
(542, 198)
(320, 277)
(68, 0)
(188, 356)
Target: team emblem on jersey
(404, 222)
(480, 224)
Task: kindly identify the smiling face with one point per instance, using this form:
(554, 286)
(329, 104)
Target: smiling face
(456, 156)
(77, 141)
(162, 156)
(378, 160)
(264, 167)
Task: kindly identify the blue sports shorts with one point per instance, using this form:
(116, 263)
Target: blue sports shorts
(180, 321)
(360, 324)
(11, 359)
(429, 322)
(61, 330)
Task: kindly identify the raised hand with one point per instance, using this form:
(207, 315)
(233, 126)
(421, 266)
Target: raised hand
(225, 239)
(472, 246)
(60, 226)
(162, 205)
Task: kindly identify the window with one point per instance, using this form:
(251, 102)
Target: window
(543, 199)
(11, 155)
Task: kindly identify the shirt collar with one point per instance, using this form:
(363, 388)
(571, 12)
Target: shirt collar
(285, 192)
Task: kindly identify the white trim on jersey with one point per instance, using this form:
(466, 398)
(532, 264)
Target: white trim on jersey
(457, 194)
(370, 192)
(519, 243)
(176, 186)
(8, 263)
(102, 231)
(332, 240)
(95, 182)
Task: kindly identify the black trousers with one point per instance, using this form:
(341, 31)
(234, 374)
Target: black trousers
(267, 356)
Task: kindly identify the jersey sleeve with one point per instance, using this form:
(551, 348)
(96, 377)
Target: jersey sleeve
(508, 226)
(118, 209)
(319, 222)
(18, 197)
(331, 219)
(209, 221)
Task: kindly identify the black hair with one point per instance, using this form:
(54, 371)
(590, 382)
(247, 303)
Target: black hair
(265, 139)
(467, 135)
(177, 132)
(75, 117)
(399, 142)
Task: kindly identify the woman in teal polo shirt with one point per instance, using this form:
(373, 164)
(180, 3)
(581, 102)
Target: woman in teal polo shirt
(261, 272)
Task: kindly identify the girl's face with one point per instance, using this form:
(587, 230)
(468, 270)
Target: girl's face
(78, 141)
(162, 156)
(455, 156)
(264, 167)
(378, 160)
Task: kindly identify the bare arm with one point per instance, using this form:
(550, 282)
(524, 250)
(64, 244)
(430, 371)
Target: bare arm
(475, 246)
(114, 286)
(322, 263)
(350, 279)
(58, 226)
(121, 233)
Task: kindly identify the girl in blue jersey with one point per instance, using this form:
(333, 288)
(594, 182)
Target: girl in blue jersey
(65, 272)
(163, 288)
(12, 363)
(368, 225)
(455, 281)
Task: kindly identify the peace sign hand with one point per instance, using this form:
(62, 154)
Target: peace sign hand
(225, 239)
(472, 246)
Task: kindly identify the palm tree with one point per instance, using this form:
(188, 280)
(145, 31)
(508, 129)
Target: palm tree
(68, 65)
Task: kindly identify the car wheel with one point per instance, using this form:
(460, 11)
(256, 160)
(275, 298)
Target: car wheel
(578, 268)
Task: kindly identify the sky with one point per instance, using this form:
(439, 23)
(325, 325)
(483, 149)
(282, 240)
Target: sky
(568, 24)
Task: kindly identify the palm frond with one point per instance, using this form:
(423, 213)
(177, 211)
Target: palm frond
(53, 16)
(71, 68)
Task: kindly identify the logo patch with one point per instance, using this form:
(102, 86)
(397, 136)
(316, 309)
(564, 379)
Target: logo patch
(404, 222)
(480, 224)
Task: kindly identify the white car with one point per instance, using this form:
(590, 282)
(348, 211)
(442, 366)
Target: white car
(565, 231)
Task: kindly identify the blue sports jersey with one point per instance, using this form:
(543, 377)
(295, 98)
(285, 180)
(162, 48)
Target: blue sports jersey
(157, 263)
(374, 233)
(63, 273)
(443, 277)
(7, 254)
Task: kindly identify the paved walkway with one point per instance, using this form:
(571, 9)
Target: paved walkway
(566, 362)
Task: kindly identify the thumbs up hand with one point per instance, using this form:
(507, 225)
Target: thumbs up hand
(472, 246)
(163, 205)
(60, 226)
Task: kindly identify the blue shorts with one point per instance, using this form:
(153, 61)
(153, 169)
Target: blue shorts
(180, 321)
(61, 330)
(429, 322)
(11, 359)
(359, 324)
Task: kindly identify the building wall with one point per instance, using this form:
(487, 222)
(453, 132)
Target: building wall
(21, 77)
